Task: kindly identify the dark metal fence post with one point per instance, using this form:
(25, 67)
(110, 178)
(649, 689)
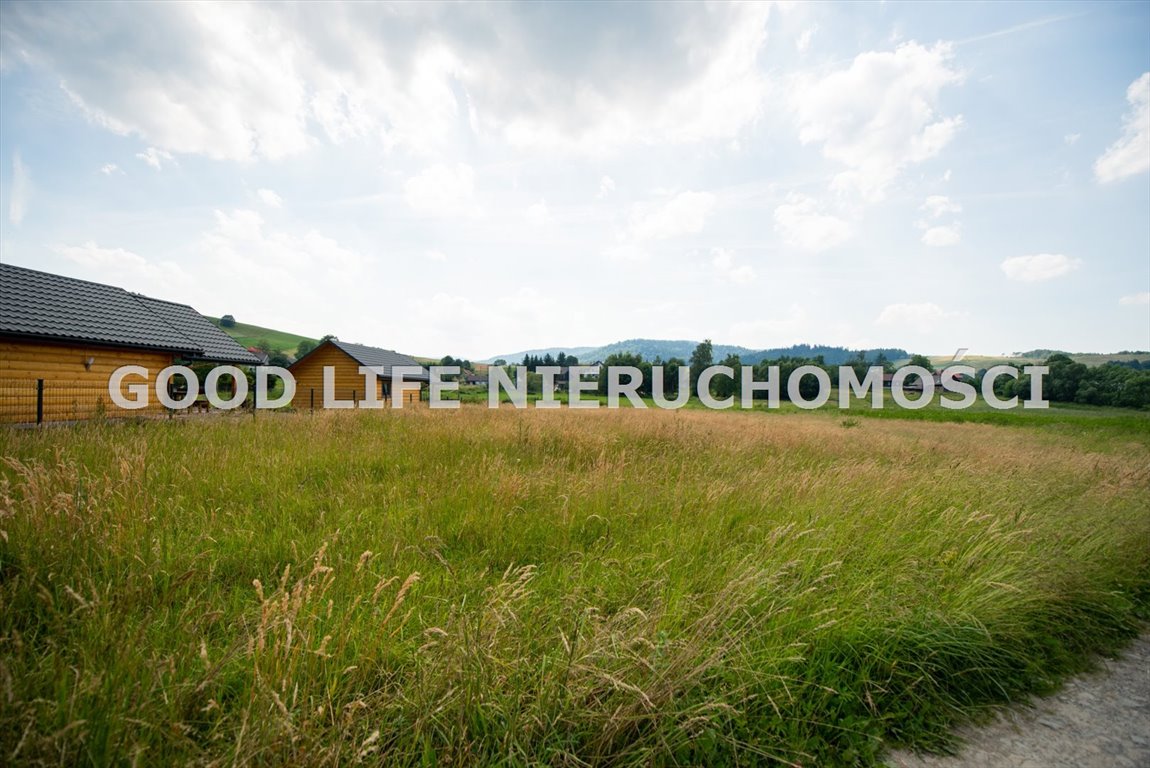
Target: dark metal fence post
(39, 401)
(312, 406)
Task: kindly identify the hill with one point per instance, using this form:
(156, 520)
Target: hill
(250, 335)
(1038, 356)
(682, 349)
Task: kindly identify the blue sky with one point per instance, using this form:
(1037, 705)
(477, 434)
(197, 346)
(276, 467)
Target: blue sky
(477, 179)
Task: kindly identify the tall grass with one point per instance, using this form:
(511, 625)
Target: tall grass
(560, 588)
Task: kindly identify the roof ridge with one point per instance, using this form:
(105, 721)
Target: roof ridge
(194, 347)
(368, 346)
(162, 301)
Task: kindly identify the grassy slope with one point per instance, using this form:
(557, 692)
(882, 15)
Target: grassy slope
(250, 335)
(506, 587)
(1090, 359)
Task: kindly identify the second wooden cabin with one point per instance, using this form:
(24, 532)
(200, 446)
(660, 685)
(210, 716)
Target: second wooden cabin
(346, 358)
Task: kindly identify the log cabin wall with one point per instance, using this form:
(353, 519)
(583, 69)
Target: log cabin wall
(349, 382)
(74, 388)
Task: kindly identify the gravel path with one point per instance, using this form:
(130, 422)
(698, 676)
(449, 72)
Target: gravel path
(1097, 720)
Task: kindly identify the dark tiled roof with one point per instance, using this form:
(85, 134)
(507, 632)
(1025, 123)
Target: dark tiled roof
(215, 346)
(36, 303)
(365, 355)
(41, 305)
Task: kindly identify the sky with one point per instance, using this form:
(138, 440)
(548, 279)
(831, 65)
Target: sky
(475, 180)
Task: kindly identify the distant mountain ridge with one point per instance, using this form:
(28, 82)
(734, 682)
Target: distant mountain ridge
(682, 349)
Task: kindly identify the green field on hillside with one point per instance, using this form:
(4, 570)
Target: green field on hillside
(502, 587)
(251, 335)
(1090, 359)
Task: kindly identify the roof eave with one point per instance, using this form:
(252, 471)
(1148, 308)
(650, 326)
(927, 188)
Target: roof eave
(68, 339)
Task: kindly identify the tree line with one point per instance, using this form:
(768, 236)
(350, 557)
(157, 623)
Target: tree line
(1125, 385)
(533, 362)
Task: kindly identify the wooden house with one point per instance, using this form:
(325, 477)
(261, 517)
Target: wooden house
(345, 359)
(61, 339)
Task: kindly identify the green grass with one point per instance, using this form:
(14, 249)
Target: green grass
(500, 587)
(1088, 422)
(250, 335)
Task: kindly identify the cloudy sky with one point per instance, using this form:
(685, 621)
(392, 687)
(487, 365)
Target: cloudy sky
(478, 179)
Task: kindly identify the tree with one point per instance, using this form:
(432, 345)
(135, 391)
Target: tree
(671, 375)
(923, 361)
(703, 357)
(278, 358)
(328, 337)
(620, 359)
(227, 321)
(724, 387)
(499, 363)
(808, 386)
(1065, 376)
(305, 346)
(265, 346)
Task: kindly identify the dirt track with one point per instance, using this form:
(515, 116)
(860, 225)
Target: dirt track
(1097, 720)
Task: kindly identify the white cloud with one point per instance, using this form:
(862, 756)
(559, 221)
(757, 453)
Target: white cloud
(725, 267)
(922, 318)
(269, 198)
(155, 158)
(606, 186)
(803, 225)
(451, 322)
(940, 235)
(1038, 267)
(943, 236)
(18, 199)
(242, 234)
(1130, 155)
(939, 205)
(614, 103)
(109, 168)
(436, 256)
(803, 41)
(442, 190)
(1135, 299)
(91, 255)
(127, 269)
(879, 115)
(199, 86)
(1071, 139)
(242, 82)
(684, 214)
(625, 251)
(242, 262)
(302, 266)
(793, 327)
(538, 213)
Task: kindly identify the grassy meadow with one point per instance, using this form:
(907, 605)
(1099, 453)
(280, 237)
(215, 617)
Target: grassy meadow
(249, 335)
(569, 588)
